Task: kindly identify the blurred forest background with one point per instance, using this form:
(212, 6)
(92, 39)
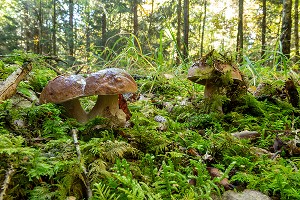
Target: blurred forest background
(90, 30)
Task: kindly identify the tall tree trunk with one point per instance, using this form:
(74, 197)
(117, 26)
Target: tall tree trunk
(203, 28)
(151, 18)
(54, 24)
(296, 31)
(263, 29)
(71, 29)
(103, 29)
(40, 20)
(178, 35)
(27, 32)
(135, 21)
(286, 27)
(240, 35)
(87, 30)
(186, 29)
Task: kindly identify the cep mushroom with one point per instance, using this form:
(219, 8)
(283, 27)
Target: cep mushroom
(215, 74)
(108, 84)
(66, 90)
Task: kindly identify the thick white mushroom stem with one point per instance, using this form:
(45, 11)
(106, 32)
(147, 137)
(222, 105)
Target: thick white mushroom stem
(108, 106)
(210, 92)
(75, 110)
(210, 89)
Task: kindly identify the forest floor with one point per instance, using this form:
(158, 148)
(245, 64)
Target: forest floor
(175, 145)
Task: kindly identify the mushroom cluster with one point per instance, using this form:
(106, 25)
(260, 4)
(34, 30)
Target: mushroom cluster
(107, 84)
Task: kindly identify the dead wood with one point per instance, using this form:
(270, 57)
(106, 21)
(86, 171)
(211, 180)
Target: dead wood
(9, 87)
(6, 182)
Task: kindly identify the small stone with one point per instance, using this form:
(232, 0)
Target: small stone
(160, 119)
(245, 195)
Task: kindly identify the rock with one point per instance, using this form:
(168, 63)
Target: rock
(160, 119)
(245, 195)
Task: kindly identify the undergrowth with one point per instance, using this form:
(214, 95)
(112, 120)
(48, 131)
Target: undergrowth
(149, 159)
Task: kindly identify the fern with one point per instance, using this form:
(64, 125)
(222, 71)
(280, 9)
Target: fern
(102, 192)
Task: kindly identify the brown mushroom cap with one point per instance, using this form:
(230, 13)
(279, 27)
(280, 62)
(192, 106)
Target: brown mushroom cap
(200, 72)
(109, 81)
(63, 88)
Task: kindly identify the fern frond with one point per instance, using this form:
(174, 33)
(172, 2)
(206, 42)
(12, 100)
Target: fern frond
(102, 192)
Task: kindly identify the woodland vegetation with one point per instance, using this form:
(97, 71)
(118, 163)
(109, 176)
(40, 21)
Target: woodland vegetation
(188, 135)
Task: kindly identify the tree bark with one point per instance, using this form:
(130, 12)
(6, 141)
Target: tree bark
(54, 52)
(286, 28)
(203, 28)
(27, 32)
(178, 35)
(240, 35)
(40, 20)
(151, 18)
(263, 29)
(103, 29)
(186, 29)
(71, 28)
(135, 21)
(296, 30)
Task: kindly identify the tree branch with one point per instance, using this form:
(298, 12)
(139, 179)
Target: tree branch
(9, 87)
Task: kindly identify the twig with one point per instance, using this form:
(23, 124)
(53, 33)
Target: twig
(85, 173)
(54, 69)
(6, 182)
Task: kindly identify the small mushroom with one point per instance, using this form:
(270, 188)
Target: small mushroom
(108, 84)
(66, 90)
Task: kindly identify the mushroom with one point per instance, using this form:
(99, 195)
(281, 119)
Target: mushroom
(210, 76)
(215, 74)
(66, 90)
(108, 84)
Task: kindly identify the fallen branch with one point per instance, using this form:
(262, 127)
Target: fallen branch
(9, 87)
(85, 173)
(54, 69)
(6, 182)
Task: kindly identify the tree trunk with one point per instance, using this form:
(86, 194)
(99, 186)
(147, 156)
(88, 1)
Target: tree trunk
(186, 29)
(263, 29)
(135, 21)
(178, 36)
(286, 27)
(239, 45)
(87, 30)
(27, 32)
(54, 52)
(71, 29)
(203, 28)
(40, 37)
(103, 28)
(296, 31)
(151, 19)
